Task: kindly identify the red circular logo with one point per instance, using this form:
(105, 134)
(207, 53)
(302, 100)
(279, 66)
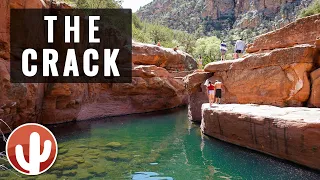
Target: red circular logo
(31, 149)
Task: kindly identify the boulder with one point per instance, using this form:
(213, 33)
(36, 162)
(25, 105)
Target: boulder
(315, 91)
(278, 77)
(147, 54)
(303, 31)
(193, 81)
(287, 133)
(197, 93)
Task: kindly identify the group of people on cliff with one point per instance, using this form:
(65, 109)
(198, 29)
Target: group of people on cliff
(239, 49)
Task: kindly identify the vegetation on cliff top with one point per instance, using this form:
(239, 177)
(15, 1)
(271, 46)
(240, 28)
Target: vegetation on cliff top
(93, 4)
(194, 44)
(313, 9)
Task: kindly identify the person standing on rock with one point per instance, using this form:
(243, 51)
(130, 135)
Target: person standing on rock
(239, 48)
(200, 63)
(223, 50)
(218, 86)
(159, 44)
(211, 94)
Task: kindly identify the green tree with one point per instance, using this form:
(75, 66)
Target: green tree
(208, 48)
(94, 4)
(187, 41)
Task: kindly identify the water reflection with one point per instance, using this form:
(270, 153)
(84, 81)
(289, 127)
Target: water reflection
(149, 176)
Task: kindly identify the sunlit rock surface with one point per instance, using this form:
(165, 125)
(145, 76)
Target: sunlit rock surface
(288, 133)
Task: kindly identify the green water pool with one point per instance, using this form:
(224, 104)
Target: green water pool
(156, 146)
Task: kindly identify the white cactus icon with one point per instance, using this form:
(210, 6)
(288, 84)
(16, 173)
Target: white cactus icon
(35, 158)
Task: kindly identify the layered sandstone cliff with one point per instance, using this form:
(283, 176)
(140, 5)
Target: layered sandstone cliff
(287, 133)
(156, 84)
(260, 15)
(163, 57)
(282, 71)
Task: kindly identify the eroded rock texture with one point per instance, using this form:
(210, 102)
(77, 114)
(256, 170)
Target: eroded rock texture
(279, 77)
(148, 54)
(156, 85)
(282, 71)
(302, 31)
(152, 88)
(288, 133)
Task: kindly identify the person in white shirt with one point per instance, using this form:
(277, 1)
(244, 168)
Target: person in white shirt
(239, 48)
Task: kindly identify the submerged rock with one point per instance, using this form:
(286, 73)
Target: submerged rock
(63, 165)
(97, 170)
(83, 175)
(62, 151)
(85, 165)
(114, 144)
(117, 156)
(47, 177)
(4, 173)
(69, 173)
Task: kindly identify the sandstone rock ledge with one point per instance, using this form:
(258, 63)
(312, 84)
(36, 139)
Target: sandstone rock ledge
(287, 133)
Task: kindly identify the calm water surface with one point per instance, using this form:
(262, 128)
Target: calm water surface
(157, 146)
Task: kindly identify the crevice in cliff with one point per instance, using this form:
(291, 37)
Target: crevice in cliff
(315, 67)
(306, 103)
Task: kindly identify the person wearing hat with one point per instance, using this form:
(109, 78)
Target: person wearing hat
(218, 94)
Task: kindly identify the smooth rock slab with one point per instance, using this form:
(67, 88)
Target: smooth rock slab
(288, 133)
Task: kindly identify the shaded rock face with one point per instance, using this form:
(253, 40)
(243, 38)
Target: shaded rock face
(154, 86)
(5, 6)
(19, 103)
(162, 57)
(288, 133)
(303, 31)
(315, 91)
